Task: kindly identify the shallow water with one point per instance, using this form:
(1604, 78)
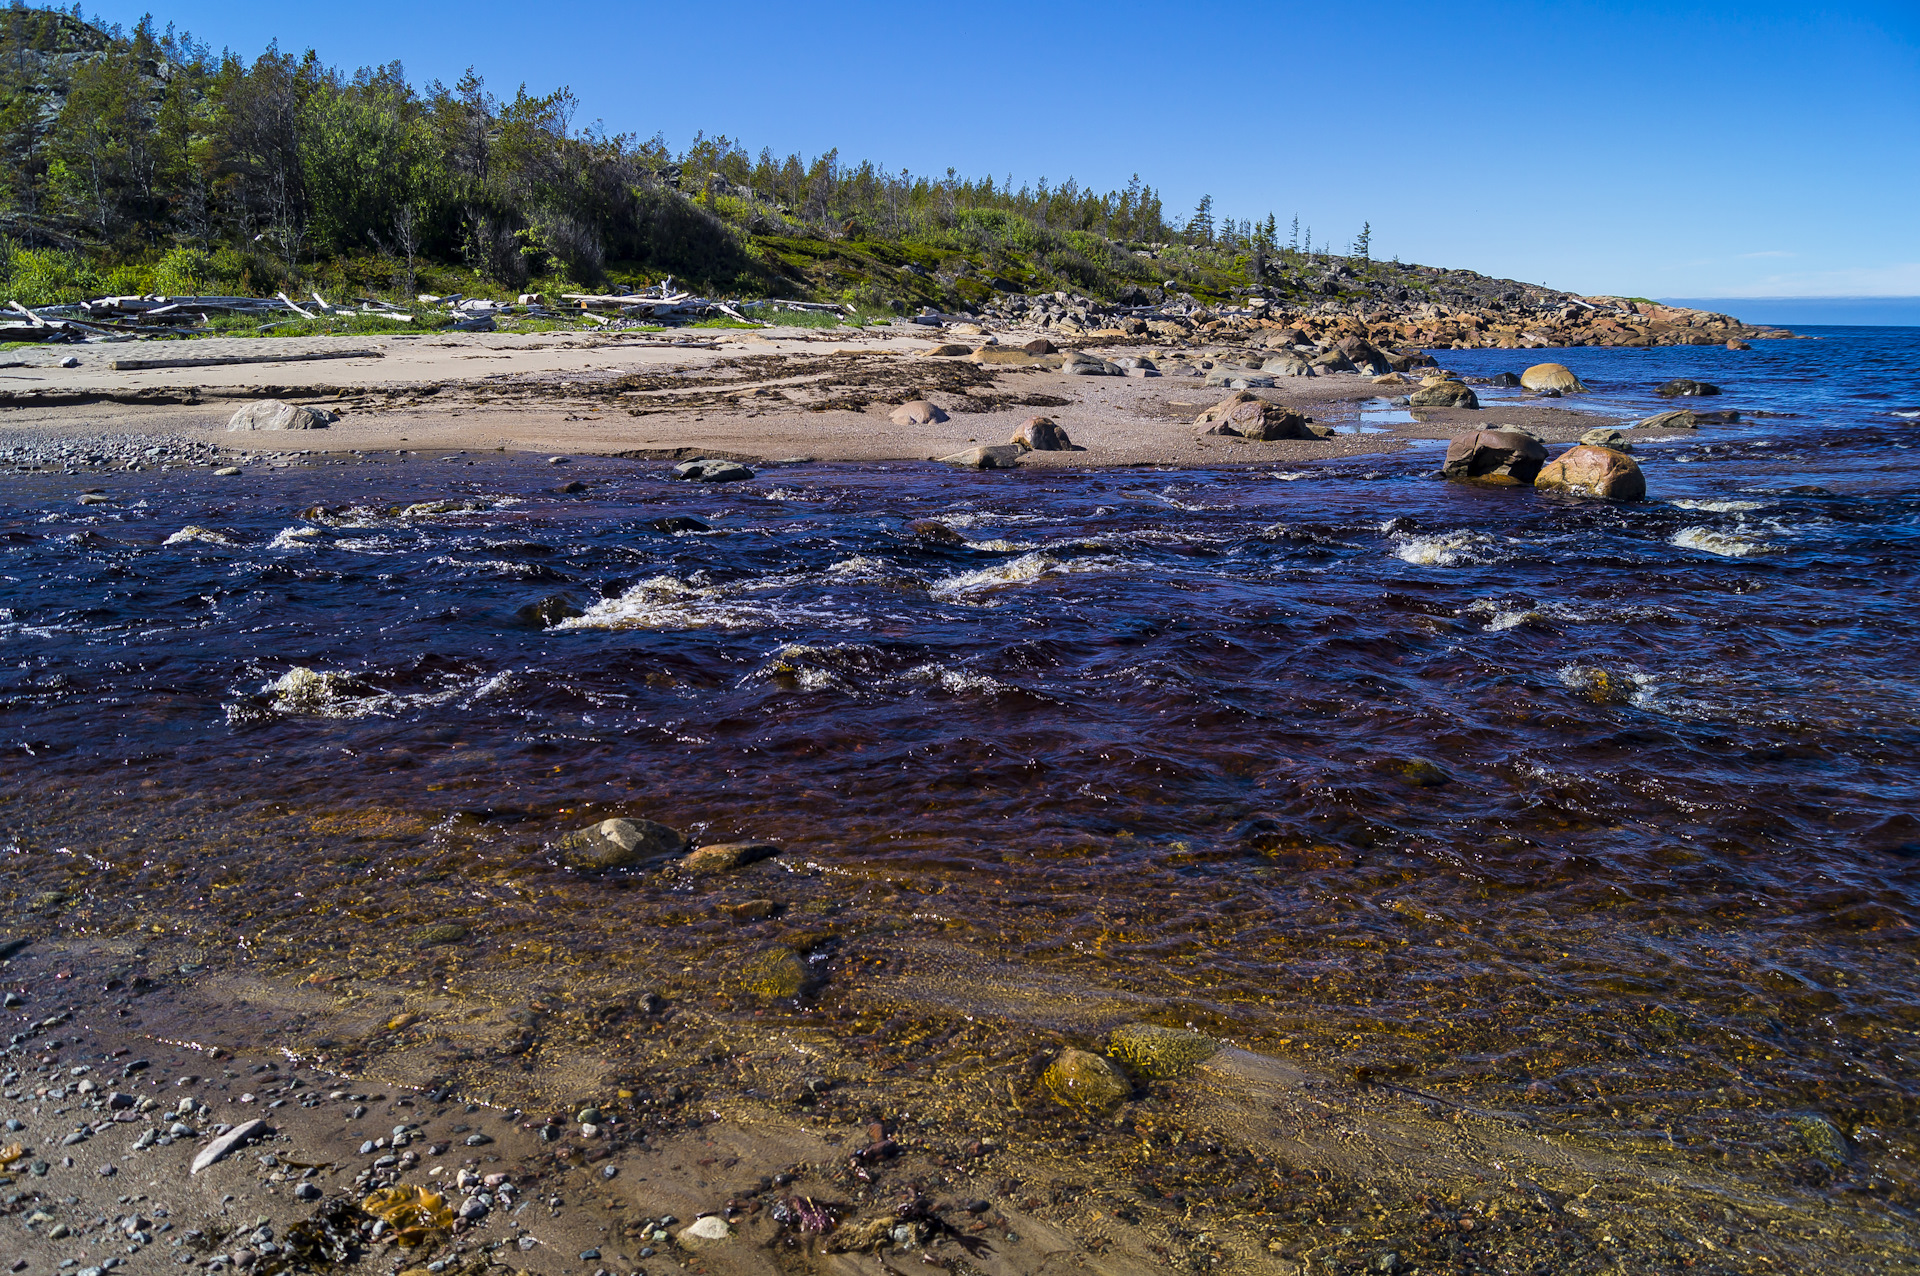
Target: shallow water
(1601, 813)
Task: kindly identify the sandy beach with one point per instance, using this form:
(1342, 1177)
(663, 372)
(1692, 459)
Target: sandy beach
(768, 395)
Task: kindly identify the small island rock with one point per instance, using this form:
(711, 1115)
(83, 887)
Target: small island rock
(1594, 471)
(1498, 455)
(1552, 376)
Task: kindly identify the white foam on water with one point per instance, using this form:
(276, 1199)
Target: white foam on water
(966, 586)
(849, 668)
(191, 535)
(1288, 476)
(863, 567)
(1734, 544)
(1723, 507)
(985, 518)
(304, 692)
(1907, 416)
(490, 566)
(665, 602)
(957, 681)
(295, 538)
(1446, 549)
(1000, 545)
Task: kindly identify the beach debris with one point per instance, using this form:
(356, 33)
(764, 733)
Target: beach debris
(235, 360)
(416, 1215)
(1499, 455)
(277, 414)
(1594, 471)
(712, 470)
(619, 843)
(218, 1149)
(1552, 376)
(917, 412)
(1685, 387)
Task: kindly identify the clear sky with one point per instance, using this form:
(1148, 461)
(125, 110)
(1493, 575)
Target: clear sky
(1673, 149)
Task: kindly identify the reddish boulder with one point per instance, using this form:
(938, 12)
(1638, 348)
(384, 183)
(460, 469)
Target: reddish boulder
(1510, 456)
(1594, 471)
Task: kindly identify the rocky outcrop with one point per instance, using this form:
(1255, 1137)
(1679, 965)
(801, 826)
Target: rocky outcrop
(1594, 471)
(1498, 455)
(1552, 376)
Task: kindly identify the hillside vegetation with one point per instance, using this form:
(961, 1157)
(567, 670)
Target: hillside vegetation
(138, 161)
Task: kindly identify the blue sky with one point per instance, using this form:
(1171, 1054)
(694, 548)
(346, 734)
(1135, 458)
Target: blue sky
(1731, 150)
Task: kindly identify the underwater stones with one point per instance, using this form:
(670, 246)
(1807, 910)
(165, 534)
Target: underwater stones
(773, 974)
(917, 412)
(933, 531)
(1821, 1138)
(442, 933)
(1500, 455)
(1158, 1053)
(705, 1232)
(1552, 376)
(619, 843)
(1685, 387)
(1678, 420)
(725, 857)
(1004, 456)
(1445, 394)
(1420, 773)
(1594, 471)
(706, 470)
(1040, 434)
(276, 414)
(1086, 1081)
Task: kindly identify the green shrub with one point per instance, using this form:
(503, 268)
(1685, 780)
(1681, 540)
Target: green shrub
(184, 272)
(48, 277)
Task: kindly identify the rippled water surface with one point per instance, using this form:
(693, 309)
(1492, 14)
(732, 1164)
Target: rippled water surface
(1603, 812)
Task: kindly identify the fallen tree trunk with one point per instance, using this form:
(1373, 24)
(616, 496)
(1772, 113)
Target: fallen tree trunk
(230, 360)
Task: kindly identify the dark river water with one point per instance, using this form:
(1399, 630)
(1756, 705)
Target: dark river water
(1605, 813)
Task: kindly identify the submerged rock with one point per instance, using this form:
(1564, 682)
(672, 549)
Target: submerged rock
(917, 412)
(619, 843)
(678, 523)
(1161, 1054)
(1594, 471)
(277, 414)
(1086, 1081)
(712, 471)
(1552, 376)
(1679, 420)
(1685, 387)
(1507, 455)
(443, 933)
(774, 974)
(1822, 1138)
(1444, 394)
(724, 857)
(934, 531)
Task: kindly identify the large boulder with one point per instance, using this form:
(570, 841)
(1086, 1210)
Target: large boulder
(1332, 361)
(916, 412)
(1685, 387)
(619, 844)
(1040, 434)
(1039, 346)
(1286, 365)
(277, 414)
(1258, 419)
(1511, 456)
(1223, 409)
(1444, 394)
(1078, 363)
(1594, 471)
(1365, 357)
(1552, 376)
(1002, 456)
(1286, 339)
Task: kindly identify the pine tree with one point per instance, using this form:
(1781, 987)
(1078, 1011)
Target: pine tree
(1363, 246)
(1200, 225)
(1293, 244)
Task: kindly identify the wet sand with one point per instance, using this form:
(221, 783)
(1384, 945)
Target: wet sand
(742, 395)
